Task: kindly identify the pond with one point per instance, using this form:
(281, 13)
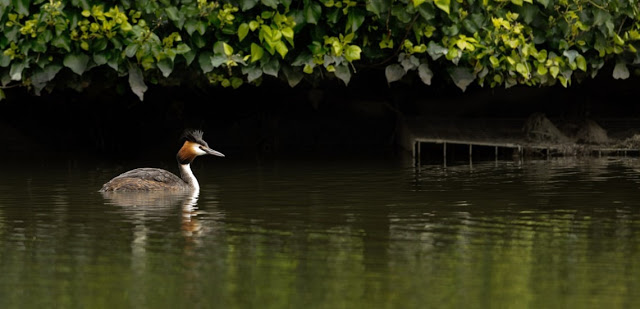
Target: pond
(325, 234)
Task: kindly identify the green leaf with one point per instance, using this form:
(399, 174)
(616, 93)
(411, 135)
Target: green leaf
(21, 6)
(62, 42)
(256, 52)
(166, 66)
(247, 4)
(270, 3)
(172, 13)
(352, 53)
(253, 72)
(425, 73)
(554, 70)
(182, 49)
(243, 30)
(343, 73)
(131, 50)
(443, 5)
(571, 55)
(204, 59)
(354, 20)
(281, 49)
(582, 63)
(394, 72)
(542, 70)
(517, 2)
(136, 81)
(544, 3)
(76, 62)
(271, 67)
(378, 6)
(522, 69)
(228, 50)
(494, 61)
(236, 82)
(427, 11)
(16, 70)
(620, 71)
(293, 76)
(46, 75)
(312, 12)
(435, 50)
(462, 77)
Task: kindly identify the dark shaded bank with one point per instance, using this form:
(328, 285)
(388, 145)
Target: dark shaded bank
(278, 121)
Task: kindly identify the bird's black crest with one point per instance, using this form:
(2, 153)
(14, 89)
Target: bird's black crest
(194, 136)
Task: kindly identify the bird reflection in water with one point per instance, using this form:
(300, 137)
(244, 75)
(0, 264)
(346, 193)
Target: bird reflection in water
(142, 207)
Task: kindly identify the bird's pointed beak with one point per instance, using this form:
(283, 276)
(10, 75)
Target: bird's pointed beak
(212, 152)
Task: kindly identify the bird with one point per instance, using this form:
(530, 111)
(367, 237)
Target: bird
(155, 179)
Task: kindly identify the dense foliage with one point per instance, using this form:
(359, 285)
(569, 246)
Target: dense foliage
(230, 43)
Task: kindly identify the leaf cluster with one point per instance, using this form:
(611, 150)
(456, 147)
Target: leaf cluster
(234, 42)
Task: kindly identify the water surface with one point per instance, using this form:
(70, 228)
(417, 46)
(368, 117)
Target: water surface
(346, 234)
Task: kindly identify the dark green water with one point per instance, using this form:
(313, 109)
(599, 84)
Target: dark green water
(316, 234)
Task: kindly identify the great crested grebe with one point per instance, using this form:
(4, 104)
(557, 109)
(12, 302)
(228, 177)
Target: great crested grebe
(154, 179)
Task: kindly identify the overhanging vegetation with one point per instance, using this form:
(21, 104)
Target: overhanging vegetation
(231, 43)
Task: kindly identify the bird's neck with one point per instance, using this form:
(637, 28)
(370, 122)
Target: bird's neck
(187, 175)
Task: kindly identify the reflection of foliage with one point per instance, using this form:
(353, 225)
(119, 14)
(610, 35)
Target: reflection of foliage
(488, 42)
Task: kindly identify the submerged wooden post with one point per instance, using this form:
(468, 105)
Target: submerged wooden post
(444, 153)
(470, 154)
(419, 152)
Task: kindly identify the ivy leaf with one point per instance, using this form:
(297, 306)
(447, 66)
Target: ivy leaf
(427, 11)
(582, 63)
(42, 77)
(136, 81)
(343, 73)
(378, 6)
(352, 53)
(435, 50)
(243, 30)
(571, 55)
(271, 67)
(253, 72)
(416, 3)
(620, 71)
(312, 12)
(544, 3)
(205, 62)
(394, 72)
(166, 66)
(354, 20)
(293, 76)
(76, 62)
(247, 4)
(16, 70)
(172, 13)
(62, 42)
(21, 6)
(425, 73)
(281, 49)
(443, 5)
(600, 17)
(256, 52)
(462, 77)
(270, 3)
